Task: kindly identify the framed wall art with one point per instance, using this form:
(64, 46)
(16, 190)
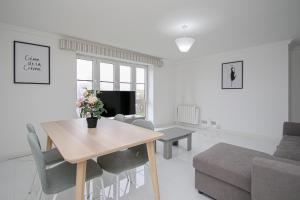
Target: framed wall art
(31, 63)
(232, 75)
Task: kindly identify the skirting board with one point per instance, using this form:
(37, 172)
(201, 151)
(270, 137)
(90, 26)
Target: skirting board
(12, 157)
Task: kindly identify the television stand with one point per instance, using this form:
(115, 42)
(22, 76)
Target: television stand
(130, 118)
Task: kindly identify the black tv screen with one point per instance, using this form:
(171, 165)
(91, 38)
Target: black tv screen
(118, 102)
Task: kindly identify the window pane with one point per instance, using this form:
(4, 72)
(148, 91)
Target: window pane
(124, 87)
(125, 74)
(140, 91)
(140, 108)
(106, 72)
(84, 69)
(106, 86)
(140, 75)
(81, 85)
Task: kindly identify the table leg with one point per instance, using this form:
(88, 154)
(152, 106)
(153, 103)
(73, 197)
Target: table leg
(49, 143)
(153, 170)
(80, 180)
(168, 150)
(117, 188)
(189, 142)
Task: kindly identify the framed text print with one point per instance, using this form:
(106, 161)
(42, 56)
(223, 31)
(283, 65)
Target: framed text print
(31, 63)
(232, 75)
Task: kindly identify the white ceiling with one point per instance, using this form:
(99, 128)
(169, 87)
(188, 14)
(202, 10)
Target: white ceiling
(152, 26)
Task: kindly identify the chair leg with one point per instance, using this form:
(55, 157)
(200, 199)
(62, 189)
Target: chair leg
(88, 189)
(109, 191)
(128, 176)
(43, 196)
(117, 188)
(127, 183)
(54, 197)
(103, 189)
(131, 174)
(40, 194)
(31, 186)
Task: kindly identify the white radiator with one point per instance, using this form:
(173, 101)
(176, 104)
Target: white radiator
(188, 114)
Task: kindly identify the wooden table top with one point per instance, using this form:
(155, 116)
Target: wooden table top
(77, 143)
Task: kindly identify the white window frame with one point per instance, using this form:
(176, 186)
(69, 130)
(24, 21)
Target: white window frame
(93, 71)
(97, 78)
(145, 85)
(131, 83)
(116, 71)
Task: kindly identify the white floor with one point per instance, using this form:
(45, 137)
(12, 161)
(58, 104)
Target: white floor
(176, 176)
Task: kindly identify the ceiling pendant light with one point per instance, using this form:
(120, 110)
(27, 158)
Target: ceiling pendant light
(184, 43)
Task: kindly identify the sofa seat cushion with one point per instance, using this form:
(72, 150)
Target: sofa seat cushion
(289, 148)
(229, 163)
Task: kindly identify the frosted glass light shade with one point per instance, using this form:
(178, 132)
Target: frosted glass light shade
(184, 43)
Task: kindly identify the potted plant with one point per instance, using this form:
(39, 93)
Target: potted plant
(90, 107)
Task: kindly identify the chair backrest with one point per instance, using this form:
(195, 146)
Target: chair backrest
(143, 123)
(119, 117)
(31, 129)
(141, 150)
(38, 157)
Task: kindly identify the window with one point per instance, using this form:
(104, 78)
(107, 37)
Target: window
(140, 91)
(108, 75)
(125, 78)
(84, 76)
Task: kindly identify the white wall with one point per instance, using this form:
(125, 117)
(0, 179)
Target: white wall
(164, 94)
(21, 103)
(259, 108)
(295, 84)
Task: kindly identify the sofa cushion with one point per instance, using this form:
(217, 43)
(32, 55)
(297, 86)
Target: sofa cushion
(228, 163)
(291, 128)
(293, 162)
(289, 148)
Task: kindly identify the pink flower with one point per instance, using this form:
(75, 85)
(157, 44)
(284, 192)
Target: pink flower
(86, 93)
(92, 100)
(78, 103)
(88, 115)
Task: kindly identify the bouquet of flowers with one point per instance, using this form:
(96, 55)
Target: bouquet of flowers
(90, 106)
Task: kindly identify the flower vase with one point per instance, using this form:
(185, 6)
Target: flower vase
(92, 122)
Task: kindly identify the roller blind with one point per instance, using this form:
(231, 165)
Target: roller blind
(82, 46)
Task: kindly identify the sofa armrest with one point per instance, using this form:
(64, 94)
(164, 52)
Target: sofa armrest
(291, 128)
(274, 180)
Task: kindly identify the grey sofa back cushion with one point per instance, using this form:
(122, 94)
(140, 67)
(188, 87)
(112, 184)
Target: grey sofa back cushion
(284, 160)
(289, 148)
(275, 179)
(291, 128)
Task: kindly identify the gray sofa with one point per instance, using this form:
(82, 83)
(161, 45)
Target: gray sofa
(229, 172)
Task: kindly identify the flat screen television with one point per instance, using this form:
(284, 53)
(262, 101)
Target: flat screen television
(118, 102)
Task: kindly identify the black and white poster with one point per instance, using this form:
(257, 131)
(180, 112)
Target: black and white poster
(232, 75)
(31, 63)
